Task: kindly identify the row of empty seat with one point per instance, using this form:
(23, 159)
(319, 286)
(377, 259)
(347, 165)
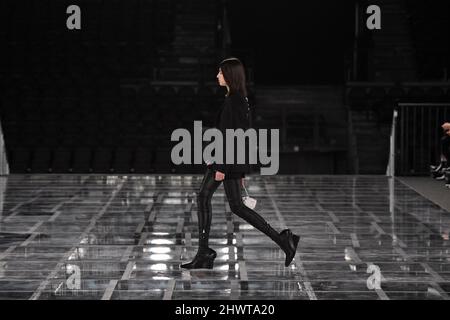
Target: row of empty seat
(70, 102)
(127, 130)
(67, 87)
(403, 91)
(117, 38)
(99, 159)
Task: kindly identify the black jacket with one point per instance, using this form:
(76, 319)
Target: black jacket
(234, 114)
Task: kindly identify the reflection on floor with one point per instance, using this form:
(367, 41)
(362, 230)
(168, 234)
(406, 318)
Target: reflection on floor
(123, 237)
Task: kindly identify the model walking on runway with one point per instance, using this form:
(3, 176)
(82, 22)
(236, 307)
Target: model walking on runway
(234, 114)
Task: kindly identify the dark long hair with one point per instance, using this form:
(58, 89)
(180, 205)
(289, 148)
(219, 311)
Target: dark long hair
(234, 74)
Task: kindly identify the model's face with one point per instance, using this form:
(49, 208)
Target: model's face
(221, 79)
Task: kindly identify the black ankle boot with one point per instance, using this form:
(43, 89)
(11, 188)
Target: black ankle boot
(204, 259)
(289, 242)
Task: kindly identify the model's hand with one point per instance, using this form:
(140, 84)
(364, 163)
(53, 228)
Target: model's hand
(219, 176)
(446, 126)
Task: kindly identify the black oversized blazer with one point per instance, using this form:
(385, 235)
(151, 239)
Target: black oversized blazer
(234, 114)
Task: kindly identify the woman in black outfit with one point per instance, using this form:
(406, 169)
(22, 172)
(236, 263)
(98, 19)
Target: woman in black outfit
(234, 114)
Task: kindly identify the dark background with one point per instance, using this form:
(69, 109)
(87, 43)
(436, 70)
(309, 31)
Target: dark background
(106, 98)
(294, 42)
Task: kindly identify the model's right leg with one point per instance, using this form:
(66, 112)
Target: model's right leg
(205, 256)
(204, 210)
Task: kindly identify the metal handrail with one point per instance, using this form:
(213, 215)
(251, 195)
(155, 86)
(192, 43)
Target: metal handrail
(390, 170)
(417, 136)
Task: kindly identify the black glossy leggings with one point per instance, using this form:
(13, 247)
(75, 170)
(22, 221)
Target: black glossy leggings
(233, 192)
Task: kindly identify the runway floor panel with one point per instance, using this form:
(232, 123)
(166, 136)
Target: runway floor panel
(124, 237)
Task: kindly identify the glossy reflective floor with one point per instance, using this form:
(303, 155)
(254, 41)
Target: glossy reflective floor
(123, 237)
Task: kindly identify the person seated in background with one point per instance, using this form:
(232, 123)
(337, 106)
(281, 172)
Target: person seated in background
(438, 172)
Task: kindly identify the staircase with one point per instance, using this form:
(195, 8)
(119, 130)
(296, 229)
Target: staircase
(393, 54)
(192, 52)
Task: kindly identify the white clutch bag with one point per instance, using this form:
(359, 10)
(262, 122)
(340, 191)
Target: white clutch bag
(248, 201)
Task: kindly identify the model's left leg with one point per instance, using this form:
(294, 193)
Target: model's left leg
(286, 239)
(233, 193)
